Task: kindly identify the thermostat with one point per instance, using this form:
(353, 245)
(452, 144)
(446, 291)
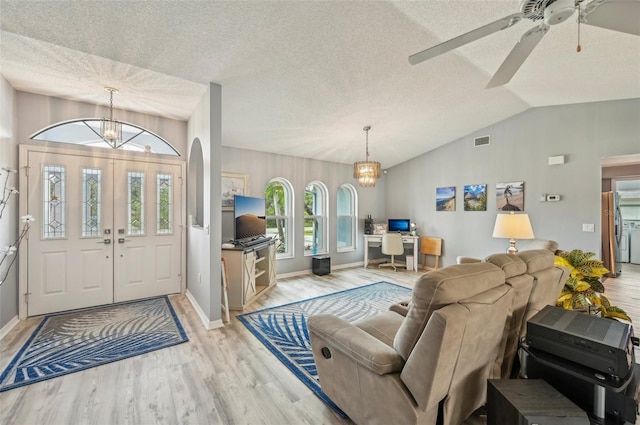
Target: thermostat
(552, 198)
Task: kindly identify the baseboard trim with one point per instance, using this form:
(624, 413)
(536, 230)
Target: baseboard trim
(309, 271)
(208, 324)
(9, 326)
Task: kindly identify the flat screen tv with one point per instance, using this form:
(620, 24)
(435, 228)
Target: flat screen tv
(249, 216)
(402, 225)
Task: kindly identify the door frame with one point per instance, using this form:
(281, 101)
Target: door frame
(23, 156)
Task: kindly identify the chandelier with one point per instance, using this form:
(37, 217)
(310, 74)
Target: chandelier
(110, 130)
(366, 171)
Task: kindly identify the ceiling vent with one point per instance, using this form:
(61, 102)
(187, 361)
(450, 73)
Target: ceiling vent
(481, 141)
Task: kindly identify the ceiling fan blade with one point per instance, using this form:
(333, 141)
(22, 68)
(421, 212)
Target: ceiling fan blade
(518, 55)
(616, 15)
(466, 38)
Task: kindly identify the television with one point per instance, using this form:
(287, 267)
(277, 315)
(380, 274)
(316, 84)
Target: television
(402, 225)
(250, 220)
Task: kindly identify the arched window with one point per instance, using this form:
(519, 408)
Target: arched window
(278, 197)
(316, 207)
(347, 213)
(87, 132)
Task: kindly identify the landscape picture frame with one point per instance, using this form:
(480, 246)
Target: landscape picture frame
(233, 184)
(475, 197)
(446, 198)
(510, 196)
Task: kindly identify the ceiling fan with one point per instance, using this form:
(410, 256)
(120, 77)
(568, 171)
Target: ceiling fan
(617, 15)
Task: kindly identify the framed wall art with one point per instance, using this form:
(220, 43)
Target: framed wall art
(446, 198)
(233, 184)
(510, 196)
(379, 229)
(475, 197)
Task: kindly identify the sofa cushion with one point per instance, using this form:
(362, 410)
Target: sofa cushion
(438, 288)
(511, 265)
(537, 259)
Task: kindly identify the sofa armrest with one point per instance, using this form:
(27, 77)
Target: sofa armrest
(339, 335)
(402, 308)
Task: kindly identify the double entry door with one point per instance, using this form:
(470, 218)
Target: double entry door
(106, 230)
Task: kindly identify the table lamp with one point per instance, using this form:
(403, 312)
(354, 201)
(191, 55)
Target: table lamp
(513, 226)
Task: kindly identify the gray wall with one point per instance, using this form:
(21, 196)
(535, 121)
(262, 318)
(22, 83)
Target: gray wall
(519, 151)
(263, 167)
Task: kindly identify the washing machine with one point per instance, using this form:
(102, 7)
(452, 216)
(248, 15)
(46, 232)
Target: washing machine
(634, 246)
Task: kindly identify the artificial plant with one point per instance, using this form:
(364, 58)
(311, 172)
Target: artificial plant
(583, 289)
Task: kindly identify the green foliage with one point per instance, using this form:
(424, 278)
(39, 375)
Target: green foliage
(583, 289)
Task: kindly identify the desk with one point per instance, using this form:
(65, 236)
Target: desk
(413, 240)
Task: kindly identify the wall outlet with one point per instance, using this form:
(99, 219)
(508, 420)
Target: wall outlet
(588, 227)
(553, 198)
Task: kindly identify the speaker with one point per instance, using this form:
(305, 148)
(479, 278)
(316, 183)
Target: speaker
(321, 264)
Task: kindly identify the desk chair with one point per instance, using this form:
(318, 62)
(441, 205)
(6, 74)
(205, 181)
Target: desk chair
(430, 246)
(392, 245)
(225, 289)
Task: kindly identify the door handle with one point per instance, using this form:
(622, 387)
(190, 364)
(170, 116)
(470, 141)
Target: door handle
(105, 242)
(122, 240)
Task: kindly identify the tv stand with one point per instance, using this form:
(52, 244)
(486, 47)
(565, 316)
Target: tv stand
(251, 272)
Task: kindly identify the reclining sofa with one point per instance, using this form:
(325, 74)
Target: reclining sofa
(427, 360)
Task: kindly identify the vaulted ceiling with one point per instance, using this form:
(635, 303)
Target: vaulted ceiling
(304, 77)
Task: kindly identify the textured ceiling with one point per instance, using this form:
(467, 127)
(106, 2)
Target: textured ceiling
(304, 78)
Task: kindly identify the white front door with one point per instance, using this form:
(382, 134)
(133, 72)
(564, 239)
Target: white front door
(106, 230)
(147, 226)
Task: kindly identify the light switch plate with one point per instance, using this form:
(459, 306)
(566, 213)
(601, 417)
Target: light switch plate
(588, 228)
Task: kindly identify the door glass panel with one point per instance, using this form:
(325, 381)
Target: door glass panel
(91, 202)
(164, 184)
(135, 203)
(54, 200)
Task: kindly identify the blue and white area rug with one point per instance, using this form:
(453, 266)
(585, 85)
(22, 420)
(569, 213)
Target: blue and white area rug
(69, 342)
(283, 329)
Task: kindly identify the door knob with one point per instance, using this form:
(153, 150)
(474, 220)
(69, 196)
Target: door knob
(105, 242)
(122, 240)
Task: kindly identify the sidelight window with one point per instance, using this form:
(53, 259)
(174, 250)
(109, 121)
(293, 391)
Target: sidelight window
(54, 202)
(164, 207)
(135, 203)
(91, 199)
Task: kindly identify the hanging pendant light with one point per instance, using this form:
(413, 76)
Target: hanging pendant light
(366, 171)
(110, 130)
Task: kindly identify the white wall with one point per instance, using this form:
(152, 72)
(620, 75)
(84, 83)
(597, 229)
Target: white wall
(519, 151)
(203, 242)
(10, 221)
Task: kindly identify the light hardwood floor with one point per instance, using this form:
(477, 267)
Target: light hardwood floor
(222, 376)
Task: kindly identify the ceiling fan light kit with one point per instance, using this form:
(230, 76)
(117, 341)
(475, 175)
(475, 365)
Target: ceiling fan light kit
(617, 15)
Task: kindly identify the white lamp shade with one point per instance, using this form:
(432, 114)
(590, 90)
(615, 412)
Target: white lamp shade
(513, 226)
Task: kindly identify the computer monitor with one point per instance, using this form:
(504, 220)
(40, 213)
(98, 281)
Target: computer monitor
(402, 225)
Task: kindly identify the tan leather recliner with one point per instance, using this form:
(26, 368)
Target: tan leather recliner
(396, 369)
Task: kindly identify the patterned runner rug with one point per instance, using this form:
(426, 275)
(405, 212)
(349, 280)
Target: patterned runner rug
(283, 329)
(69, 342)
